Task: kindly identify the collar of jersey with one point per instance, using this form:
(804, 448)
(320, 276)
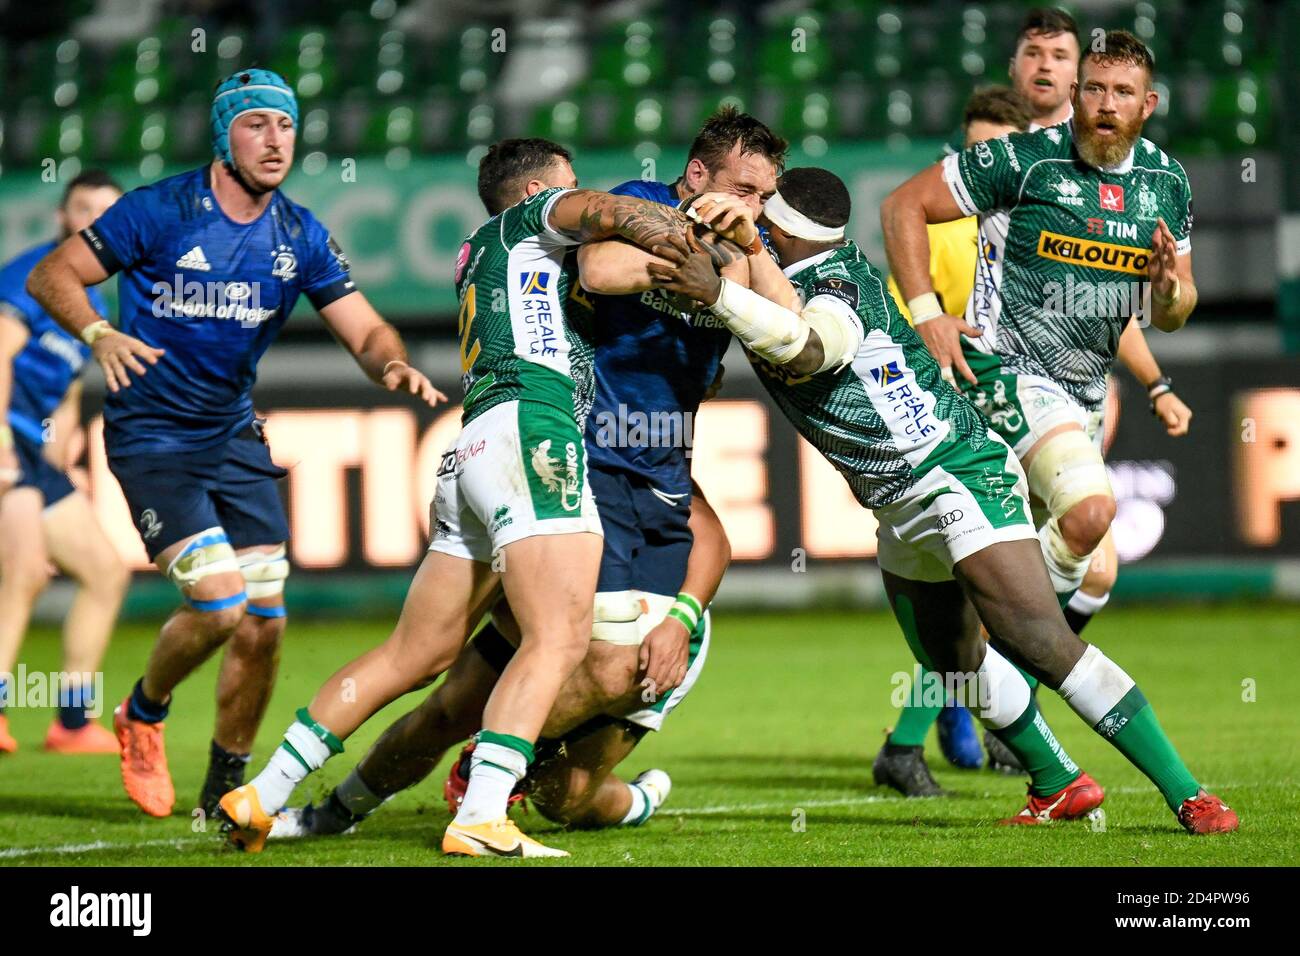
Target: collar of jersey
(1035, 127)
(216, 203)
(789, 271)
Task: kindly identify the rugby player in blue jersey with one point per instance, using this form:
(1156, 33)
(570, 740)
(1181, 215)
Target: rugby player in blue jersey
(654, 364)
(43, 518)
(212, 261)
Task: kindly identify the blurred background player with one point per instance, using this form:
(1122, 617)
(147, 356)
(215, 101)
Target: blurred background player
(43, 518)
(513, 503)
(180, 432)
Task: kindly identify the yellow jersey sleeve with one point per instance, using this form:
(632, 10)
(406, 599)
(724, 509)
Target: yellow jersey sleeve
(954, 248)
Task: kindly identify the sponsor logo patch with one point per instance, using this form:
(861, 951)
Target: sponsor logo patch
(194, 259)
(1067, 192)
(534, 283)
(548, 470)
(842, 289)
(1097, 255)
(949, 518)
(1111, 197)
(887, 374)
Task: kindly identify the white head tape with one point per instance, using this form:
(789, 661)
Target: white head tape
(797, 224)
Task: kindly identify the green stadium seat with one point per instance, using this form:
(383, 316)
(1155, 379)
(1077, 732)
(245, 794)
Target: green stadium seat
(892, 113)
(806, 112)
(1239, 114)
(629, 53)
(439, 125)
(795, 50)
(305, 60)
(712, 51)
(190, 132)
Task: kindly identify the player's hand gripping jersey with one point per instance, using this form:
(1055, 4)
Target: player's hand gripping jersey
(654, 364)
(1065, 248)
(211, 292)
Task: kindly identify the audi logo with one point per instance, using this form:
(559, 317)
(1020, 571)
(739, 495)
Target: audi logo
(951, 518)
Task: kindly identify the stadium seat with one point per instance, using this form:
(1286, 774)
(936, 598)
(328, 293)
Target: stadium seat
(1239, 113)
(189, 138)
(629, 53)
(305, 60)
(794, 50)
(137, 69)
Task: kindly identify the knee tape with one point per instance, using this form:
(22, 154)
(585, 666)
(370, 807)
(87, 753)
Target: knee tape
(1066, 569)
(264, 572)
(1066, 470)
(614, 617)
(208, 554)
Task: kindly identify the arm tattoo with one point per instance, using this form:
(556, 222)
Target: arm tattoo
(639, 221)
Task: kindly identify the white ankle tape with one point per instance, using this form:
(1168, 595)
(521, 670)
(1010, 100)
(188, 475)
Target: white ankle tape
(1004, 690)
(1085, 603)
(1095, 685)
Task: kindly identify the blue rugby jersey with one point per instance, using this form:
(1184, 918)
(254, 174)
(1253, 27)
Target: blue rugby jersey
(51, 360)
(213, 293)
(653, 365)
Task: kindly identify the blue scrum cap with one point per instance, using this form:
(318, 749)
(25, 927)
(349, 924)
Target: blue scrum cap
(245, 92)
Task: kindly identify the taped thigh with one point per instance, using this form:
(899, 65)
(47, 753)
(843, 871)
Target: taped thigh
(615, 615)
(207, 554)
(264, 576)
(264, 572)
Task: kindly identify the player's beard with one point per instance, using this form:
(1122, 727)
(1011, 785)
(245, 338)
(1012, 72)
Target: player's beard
(1105, 151)
(256, 184)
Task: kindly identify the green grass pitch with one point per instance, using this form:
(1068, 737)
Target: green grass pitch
(770, 758)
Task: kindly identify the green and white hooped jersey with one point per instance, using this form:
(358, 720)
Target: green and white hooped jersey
(515, 278)
(880, 418)
(1064, 249)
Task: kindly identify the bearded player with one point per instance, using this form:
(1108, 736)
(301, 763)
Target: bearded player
(212, 262)
(659, 361)
(43, 518)
(513, 510)
(949, 495)
(1063, 275)
(1042, 69)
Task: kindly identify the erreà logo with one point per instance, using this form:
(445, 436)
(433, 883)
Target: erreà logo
(1097, 255)
(1068, 192)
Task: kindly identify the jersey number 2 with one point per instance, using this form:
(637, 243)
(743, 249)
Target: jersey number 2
(468, 353)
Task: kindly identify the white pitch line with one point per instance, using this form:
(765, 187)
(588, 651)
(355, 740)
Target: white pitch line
(22, 851)
(785, 804)
(69, 848)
